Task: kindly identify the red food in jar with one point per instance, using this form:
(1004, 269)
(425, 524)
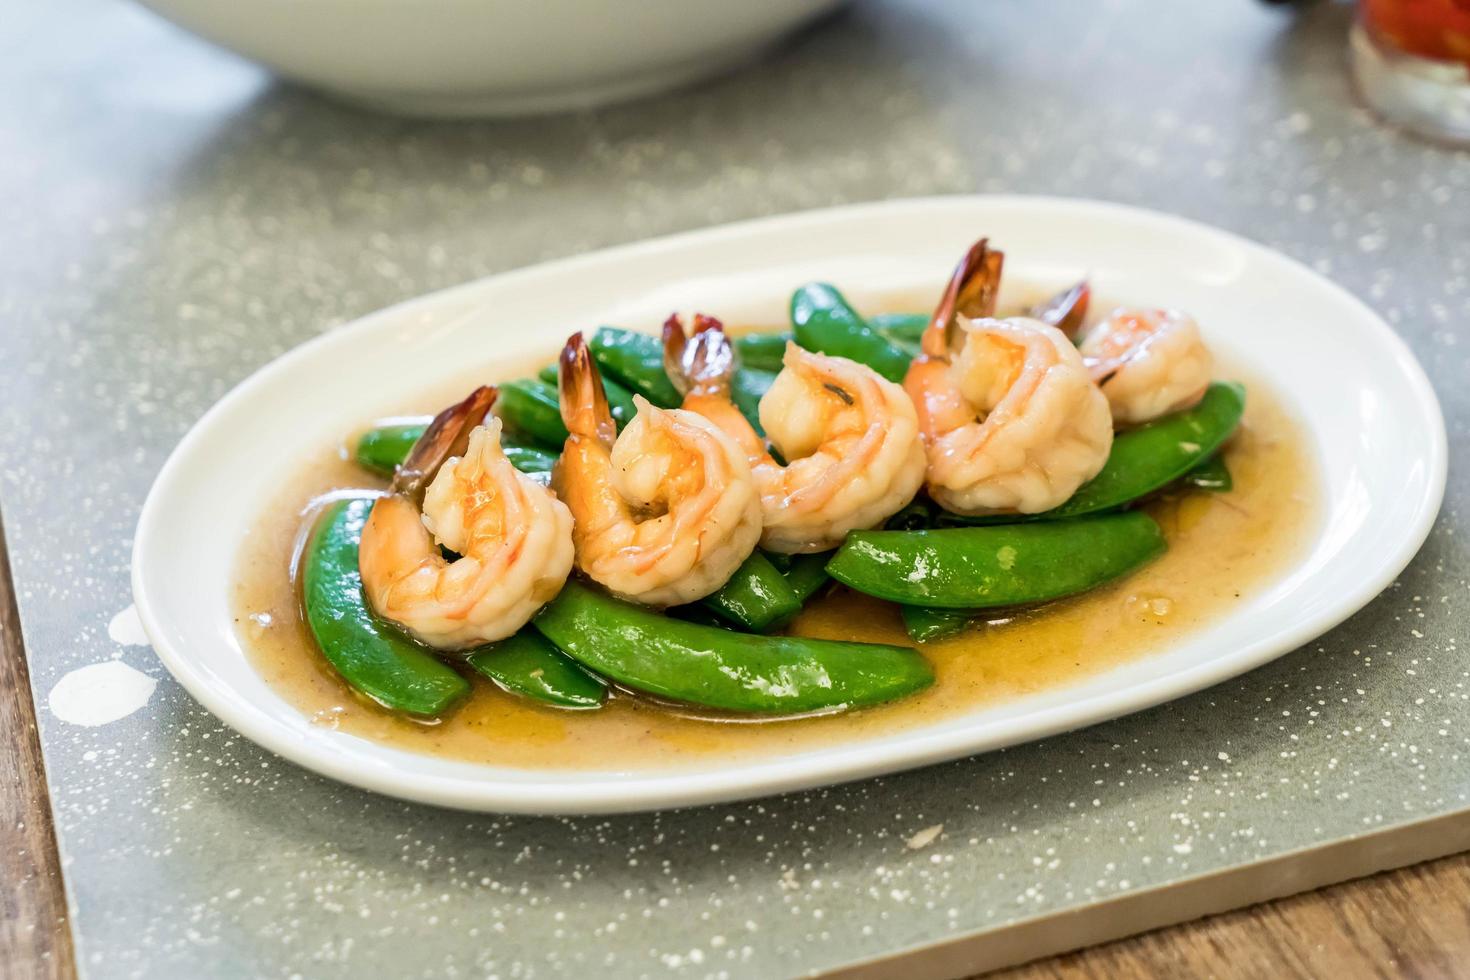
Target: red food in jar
(1437, 29)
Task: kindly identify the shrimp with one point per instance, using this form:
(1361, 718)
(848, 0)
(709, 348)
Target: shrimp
(1148, 362)
(457, 490)
(1011, 419)
(666, 511)
(850, 437)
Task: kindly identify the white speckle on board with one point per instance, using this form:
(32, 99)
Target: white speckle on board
(924, 837)
(127, 629)
(100, 693)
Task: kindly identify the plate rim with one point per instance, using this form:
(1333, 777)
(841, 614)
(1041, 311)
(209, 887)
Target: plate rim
(775, 775)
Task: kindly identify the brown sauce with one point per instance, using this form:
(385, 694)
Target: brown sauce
(1222, 548)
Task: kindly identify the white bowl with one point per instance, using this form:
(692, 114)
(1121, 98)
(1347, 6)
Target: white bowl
(491, 57)
(1366, 405)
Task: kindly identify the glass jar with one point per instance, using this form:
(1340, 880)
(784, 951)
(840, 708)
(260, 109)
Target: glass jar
(1411, 62)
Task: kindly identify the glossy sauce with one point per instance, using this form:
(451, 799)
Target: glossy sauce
(1222, 547)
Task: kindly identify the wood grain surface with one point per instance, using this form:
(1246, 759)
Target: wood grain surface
(1414, 922)
(35, 941)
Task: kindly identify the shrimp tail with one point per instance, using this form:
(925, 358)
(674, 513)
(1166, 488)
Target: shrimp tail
(1066, 310)
(584, 407)
(972, 291)
(447, 436)
(702, 363)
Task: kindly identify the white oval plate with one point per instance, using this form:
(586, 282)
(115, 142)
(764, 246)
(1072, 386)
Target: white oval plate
(1366, 404)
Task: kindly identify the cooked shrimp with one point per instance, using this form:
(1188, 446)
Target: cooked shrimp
(457, 489)
(666, 511)
(1011, 419)
(850, 437)
(1148, 362)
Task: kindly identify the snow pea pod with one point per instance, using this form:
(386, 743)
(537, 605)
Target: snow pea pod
(909, 347)
(696, 613)
(1005, 565)
(381, 449)
(530, 460)
(780, 559)
(917, 515)
(1154, 455)
(370, 655)
(1147, 458)
(619, 399)
(633, 362)
(715, 668)
(528, 665)
(530, 408)
(901, 328)
(637, 361)
(747, 388)
(762, 351)
(807, 574)
(925, 623)
(1211, 475)
(824, 321)
(756, 597)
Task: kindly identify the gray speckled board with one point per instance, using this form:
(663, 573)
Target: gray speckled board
(171, 220)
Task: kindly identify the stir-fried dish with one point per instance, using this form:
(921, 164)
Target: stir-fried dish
(661, 520)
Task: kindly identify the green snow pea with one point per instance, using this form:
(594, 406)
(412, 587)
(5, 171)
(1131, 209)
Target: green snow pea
(909, 347)
(619, 399)
(528, 459)
(917, 515)
(904, 329)
(528, 665)
(925, 623)
(807, 574)
(1212, 474)
(1005, 565)
(1154, 455)
(1147, 458)
(762, 351)
(381, 449)
(824, 321)
(716, 668)
(756, 597)
(370, 655)
(637, 361)
(780, 559)
(530, 407)
(697, 613)
(747, 389)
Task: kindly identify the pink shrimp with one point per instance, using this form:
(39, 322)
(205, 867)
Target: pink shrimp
(1148, 362)
(666, 511)
(1011, 419)
(457, 489)
(850, 438)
